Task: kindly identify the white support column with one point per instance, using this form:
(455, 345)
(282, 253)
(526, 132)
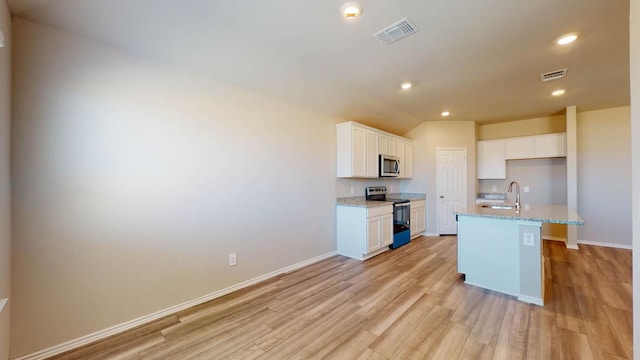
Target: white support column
(572, 173)
(634, 63)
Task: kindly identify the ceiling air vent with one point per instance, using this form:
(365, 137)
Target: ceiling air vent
(395, 32)
(553, 75)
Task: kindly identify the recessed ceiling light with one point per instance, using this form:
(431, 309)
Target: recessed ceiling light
(445, 113)
(406, 86)
(558, 92)
(351, 9)
(567, 39)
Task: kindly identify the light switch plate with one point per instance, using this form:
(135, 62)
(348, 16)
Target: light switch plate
(494, 188)
(528, 239)
(526, 189)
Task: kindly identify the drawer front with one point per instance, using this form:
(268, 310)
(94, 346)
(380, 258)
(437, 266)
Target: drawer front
(380, 210)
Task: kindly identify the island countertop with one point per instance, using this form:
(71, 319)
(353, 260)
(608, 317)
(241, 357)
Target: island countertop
(556, 214)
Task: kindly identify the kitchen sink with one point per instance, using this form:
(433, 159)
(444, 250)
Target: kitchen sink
(498, 206)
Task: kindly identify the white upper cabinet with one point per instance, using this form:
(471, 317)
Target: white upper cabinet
(408, 160)
(491, 159)
(359, 149)
(371, 154)
(383, 144)
(550, 145)
(492, 154)
(520, 148)
(401, 156)
(391, 147)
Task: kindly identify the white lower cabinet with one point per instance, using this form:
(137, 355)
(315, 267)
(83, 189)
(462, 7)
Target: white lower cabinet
(364, 232)
(418, 223)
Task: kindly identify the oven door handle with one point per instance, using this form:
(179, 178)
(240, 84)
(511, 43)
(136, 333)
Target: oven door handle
(402, 204)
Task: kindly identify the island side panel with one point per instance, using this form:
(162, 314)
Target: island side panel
(488, 253)
(531, 263)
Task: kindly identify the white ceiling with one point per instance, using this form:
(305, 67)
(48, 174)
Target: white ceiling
(481, 60)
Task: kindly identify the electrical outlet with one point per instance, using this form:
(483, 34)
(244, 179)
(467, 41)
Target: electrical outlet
(494, 188)
(391, 188)
(526, 188)
(232, 259)
(353, 190)
(528, 239)
(526, 206)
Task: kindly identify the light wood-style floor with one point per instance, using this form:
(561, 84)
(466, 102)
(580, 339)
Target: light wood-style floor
(409, 303)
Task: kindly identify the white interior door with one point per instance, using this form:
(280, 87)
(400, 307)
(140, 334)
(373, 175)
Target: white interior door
(451, 171)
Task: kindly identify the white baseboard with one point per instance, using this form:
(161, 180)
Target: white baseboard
(430, 234)
(531, 300)
(573, 247)
(3, 302)
(554, 238)
(102, 334)
(597, 243)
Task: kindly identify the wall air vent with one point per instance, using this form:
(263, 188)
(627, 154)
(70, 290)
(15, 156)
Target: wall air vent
(395, 32)
(553, 75)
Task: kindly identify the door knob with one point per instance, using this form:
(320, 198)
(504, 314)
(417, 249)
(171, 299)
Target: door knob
(441, 196)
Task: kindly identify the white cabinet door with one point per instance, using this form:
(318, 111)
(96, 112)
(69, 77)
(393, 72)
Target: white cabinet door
(383, 144)
(520, 148)
(422, 220)
(491, 159)
(387, 229)
(400, 155)
(358, 152)
(391, 147)
(418, 222)
(373, 233)
(413, 225)
(408, 160)
(372, 154)
(550, 145)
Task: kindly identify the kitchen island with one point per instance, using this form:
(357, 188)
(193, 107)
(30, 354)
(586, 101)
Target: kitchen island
(501, 249)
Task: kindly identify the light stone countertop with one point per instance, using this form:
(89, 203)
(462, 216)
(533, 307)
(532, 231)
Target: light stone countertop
(359, 201)
(556, 214)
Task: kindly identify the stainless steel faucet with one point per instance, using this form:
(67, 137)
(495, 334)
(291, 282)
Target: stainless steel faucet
(517, 193)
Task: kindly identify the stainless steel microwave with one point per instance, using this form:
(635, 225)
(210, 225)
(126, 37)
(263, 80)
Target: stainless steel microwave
(389, 166)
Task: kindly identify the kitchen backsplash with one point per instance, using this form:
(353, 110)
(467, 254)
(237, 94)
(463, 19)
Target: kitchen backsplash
(343, 186)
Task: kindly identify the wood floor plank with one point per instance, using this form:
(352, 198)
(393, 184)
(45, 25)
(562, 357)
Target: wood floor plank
(622, 325)
(603, 339)
(408, 303)
(487, 328)
(512, 342)
(574, 345)
(117, 342)
(452, 343)
(567, 310)
(423, 340)
(474, 349)
(353, 347)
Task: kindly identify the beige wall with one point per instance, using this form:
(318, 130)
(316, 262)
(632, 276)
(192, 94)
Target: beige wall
(604, 175)
(536, 126)
(5, 201)
(134, 181)
(635, 164)
(426, 138)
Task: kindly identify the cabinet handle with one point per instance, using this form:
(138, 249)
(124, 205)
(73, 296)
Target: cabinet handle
(441, 196)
